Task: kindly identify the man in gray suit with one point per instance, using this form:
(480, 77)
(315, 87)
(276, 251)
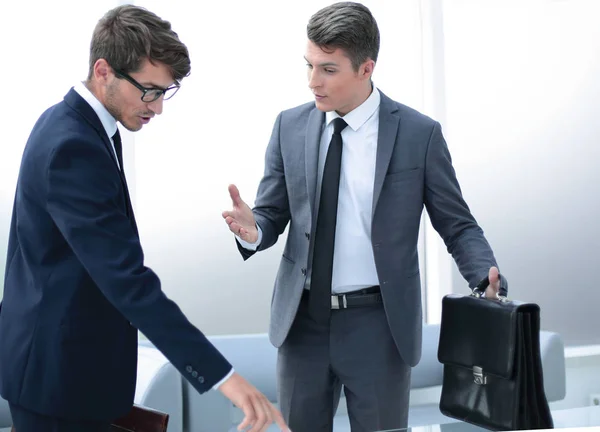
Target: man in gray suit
(350, 173)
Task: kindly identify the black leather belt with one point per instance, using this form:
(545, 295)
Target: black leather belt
(364, 297)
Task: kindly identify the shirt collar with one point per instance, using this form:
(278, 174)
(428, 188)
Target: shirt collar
(359, 115)
(108, 121)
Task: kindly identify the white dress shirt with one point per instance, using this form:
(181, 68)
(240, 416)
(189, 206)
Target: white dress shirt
(110, 126)
(353, 259)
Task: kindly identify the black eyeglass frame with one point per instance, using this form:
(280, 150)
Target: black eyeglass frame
(145, 90)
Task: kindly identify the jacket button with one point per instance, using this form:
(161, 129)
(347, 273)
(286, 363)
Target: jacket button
(201, 379)
(188, 369)
(194, 374)
(303, 271)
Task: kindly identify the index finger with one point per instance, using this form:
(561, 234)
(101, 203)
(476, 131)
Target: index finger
(279, 420)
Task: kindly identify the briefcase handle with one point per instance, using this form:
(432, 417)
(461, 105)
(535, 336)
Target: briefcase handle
(479, 290)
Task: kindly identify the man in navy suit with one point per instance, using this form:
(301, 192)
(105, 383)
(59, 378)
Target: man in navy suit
(76, 288)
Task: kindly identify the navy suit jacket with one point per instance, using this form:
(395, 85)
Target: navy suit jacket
(76, 289)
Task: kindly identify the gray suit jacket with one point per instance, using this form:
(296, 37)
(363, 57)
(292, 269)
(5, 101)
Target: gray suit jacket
(413, 169)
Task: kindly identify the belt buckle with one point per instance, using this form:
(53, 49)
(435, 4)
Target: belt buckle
(335, 302)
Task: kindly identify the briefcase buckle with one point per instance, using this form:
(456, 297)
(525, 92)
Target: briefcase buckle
(478, 377)
(481, 294)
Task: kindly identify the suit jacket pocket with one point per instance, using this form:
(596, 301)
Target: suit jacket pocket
(91, 329)
(288, 259)
(402, 175)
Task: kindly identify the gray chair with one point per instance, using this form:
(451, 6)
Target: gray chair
(255, 358)
(5, 419)
(160, 386)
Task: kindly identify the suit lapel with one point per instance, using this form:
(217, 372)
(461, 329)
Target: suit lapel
(389, 122)
(313, 139)
(87, 112)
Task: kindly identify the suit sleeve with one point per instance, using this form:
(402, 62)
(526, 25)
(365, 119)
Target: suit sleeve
(450, 215)
(271, 211)
(85, 199)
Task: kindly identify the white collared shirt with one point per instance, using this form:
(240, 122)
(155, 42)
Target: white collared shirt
(353, 259)
(108, 121)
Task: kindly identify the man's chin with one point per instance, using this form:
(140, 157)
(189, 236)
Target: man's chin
(323, 106)
(131, 127)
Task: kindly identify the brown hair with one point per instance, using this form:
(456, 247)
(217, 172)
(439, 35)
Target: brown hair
(126, 35)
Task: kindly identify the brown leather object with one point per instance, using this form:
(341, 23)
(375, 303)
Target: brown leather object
(139, 419)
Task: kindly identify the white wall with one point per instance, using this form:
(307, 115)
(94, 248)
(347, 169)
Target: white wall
(247, 65)
(45, 50)
(522, 105)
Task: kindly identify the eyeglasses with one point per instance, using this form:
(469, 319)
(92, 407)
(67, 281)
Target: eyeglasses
(150, 94)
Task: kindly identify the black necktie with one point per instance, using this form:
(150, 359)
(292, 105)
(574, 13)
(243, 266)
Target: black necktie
(118, 149)
(322, 265)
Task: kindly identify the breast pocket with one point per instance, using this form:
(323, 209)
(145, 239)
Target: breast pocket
(402, 190)
(288, 259)
(403, 175)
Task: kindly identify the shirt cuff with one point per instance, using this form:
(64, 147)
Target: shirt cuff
(251, 246)
(217, 385)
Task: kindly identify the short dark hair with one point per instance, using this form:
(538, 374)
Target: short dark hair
(349, 26)
(127, 35)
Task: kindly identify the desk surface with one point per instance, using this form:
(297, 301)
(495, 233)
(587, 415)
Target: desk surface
(566, 418)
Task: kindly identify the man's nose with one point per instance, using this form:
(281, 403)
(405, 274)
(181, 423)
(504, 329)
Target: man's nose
(313, 79)
(156, 106)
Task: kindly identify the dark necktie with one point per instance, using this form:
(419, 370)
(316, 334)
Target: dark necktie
(118, 149)
(322, 265)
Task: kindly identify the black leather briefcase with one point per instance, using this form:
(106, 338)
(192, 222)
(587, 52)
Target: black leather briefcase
(490, 349)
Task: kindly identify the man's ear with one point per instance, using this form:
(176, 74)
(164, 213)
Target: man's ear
(102, 71)
(366, 69)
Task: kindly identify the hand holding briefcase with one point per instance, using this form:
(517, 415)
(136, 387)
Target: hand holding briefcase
(490, 349)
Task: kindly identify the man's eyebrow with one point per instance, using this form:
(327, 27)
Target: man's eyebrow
(323, 64)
